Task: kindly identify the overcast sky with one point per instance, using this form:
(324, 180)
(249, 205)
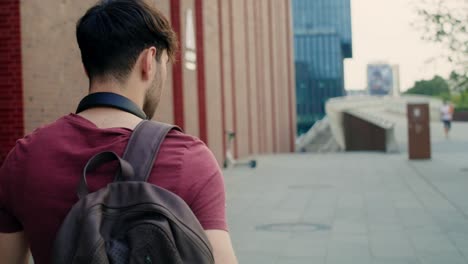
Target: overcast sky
(382, 31)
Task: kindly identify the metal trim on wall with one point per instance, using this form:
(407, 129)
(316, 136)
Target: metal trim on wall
(177, 76)
(289, 39)
(248, 77)
(273, 80)
(233, 79)
(201, 84)
(222, 77)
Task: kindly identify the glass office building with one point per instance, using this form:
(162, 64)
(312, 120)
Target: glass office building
(322, 40)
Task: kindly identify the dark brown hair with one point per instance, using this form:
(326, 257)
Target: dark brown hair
(113, 33)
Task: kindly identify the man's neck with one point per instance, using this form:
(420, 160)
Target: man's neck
(127, 89)
(106, 117)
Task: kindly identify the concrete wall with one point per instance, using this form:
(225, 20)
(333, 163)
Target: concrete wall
(244, 80)
(53, 76)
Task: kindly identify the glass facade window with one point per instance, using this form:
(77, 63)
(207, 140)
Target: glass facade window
(322, 40)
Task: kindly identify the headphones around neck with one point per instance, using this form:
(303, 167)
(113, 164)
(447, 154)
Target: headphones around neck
(110, 100)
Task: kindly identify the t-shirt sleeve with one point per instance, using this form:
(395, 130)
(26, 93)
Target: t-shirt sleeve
(207, 191)
(8, 222)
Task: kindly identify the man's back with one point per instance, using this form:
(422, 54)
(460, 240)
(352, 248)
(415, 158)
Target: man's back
(446, 112)
(39, 178)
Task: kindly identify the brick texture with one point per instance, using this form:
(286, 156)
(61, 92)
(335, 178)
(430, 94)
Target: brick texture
(11, 90)
(54, 80)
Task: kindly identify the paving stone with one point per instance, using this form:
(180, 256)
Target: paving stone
(379, 208)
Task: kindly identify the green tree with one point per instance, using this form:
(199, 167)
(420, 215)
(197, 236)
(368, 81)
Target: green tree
(446, 22)
(457, 82)
(461, 101)
(438, 86)
(460, 88)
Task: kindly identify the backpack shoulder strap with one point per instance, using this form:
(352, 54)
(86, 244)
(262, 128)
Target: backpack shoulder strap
(143, 146)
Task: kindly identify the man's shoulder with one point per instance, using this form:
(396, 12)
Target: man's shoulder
(187, 142)
(43, 133)
(188, 161)
(184, 149)
(36, 141)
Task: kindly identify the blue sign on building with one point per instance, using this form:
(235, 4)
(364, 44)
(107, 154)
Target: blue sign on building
(322, 40)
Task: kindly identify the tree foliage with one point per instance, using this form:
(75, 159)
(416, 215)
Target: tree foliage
(438, 86)
(446, 22)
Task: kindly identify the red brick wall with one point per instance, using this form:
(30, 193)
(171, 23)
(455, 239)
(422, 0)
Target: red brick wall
(11, 90)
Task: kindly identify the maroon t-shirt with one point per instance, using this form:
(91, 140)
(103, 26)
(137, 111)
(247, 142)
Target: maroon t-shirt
(39, 178)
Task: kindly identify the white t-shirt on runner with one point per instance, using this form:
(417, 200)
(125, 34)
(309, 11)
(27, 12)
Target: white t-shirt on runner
(446, 112)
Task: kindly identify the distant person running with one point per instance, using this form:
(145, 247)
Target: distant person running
(446, 113)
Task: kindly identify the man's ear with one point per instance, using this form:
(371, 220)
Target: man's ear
(147, 63)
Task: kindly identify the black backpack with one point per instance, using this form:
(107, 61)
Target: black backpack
(130, 220)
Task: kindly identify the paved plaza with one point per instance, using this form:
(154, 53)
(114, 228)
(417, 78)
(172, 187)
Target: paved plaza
(354, 207)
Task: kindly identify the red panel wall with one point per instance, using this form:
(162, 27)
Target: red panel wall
(11, 88)
(177, 78)
(201, 71)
